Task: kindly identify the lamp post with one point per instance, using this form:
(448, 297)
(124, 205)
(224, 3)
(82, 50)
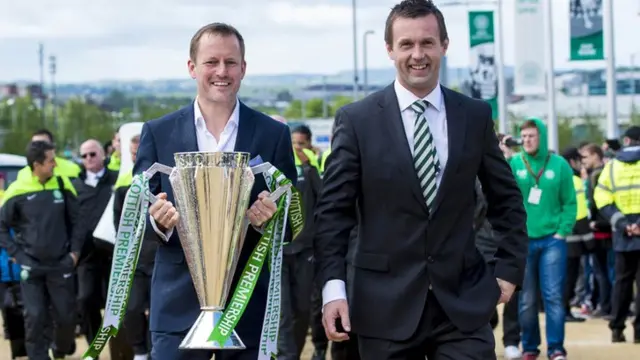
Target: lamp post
(365, 69)
(612, 113)
(355, 52)
(52, 71)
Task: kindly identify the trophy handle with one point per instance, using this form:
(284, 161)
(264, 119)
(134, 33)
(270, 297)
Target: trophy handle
(154, 169)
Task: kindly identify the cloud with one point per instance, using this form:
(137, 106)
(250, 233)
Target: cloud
(149, 39)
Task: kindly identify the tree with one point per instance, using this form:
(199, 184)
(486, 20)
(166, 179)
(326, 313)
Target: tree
(565, 133)
(80, 121)
(340, 101)
(21, 117)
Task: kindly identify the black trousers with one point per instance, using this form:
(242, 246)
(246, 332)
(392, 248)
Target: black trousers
(318, 336)
(297, 285)
(510, 322)
(436, 338)
(627, 272)
(603, 291)
(93, 277)
(573, 272)
(136, 323)
(40, 292)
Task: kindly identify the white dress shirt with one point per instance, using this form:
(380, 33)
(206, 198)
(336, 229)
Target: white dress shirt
(437, 118)
(208, 142)
(92, 178)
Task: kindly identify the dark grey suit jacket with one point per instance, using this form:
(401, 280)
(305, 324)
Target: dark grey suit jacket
(402, 248)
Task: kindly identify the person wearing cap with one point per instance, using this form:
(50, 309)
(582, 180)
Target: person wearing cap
(617, 197)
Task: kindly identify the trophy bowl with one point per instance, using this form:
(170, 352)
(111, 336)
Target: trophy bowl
(211, 191)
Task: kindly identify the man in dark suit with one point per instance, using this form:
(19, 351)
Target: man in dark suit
(407, 158)
(216, 121)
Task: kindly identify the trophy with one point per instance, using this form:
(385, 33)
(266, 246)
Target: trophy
(211, 191)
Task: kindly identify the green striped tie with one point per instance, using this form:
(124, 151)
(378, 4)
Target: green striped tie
(425, 158)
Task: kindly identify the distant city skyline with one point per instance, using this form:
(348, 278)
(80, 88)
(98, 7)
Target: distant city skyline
(149, 40)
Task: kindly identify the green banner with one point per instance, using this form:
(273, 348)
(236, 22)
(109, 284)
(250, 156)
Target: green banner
(585, 30)
(483, 68)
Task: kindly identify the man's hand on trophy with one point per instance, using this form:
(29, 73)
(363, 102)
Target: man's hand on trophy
(164, 213)
(262, 210)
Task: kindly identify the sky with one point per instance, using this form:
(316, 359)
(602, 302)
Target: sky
(149, 39)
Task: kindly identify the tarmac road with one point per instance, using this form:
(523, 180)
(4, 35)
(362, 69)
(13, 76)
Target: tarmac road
(590, 340)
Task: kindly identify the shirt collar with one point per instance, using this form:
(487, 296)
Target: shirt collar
(406, 98)
(96, 174)
(199, 119)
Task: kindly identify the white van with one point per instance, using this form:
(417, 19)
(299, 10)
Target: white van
(9, 166)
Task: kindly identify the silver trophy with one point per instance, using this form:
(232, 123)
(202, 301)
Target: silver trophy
(211, 191)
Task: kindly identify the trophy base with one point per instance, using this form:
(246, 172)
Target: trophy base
(198, 336)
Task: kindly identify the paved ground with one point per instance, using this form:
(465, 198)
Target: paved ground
(586, 341)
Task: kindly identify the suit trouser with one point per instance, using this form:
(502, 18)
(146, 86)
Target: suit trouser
(135, 320)
(627, 271)
(318, 336)
(297, 285)
(93, 276)
(436, 338)
(346, 350)
(55, 289)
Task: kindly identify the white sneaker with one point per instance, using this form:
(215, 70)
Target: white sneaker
(512, 353)
(141, 357)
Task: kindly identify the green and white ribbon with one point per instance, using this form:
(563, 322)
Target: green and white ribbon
(289, 208)
(125, 260)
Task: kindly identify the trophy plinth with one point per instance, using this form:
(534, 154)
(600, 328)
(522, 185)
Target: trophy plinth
(211, 192)
(198, 336)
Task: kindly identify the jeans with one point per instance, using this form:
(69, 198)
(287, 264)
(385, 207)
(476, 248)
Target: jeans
(546, 268)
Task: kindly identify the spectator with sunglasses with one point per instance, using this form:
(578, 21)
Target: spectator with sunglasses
(94, 186)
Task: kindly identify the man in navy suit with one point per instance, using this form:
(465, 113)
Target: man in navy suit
(216, 121)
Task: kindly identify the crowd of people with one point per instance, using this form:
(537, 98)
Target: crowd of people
(392, 219)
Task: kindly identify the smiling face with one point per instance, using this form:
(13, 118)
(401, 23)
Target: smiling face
(416, 50)
(218, 67)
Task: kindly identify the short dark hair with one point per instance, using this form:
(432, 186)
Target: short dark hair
(571, 153)
(304, 130)
(37, 152)
(214, 29)
(44, 132)
(413, 9)
(592, 148)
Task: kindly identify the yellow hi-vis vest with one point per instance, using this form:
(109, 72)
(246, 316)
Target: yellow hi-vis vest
(619, 184)
(581, 198)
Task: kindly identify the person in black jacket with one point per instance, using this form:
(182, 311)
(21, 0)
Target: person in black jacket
(593, 160)
(136, 323)
(42, 210)
(297, 268)
(486, 244)
(94, 186)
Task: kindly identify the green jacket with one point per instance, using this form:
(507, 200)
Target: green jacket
(555, 213)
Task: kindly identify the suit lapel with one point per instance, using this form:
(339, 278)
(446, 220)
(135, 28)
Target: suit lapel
(456, 132)
(246, 130)
(392, 119)
(185, 129)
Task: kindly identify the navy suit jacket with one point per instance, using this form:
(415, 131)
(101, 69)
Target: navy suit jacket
(174, 304)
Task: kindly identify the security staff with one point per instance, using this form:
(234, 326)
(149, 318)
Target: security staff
(136, 323)
(63, 167)
(617, 196)
(113, 161)
(42, 210)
